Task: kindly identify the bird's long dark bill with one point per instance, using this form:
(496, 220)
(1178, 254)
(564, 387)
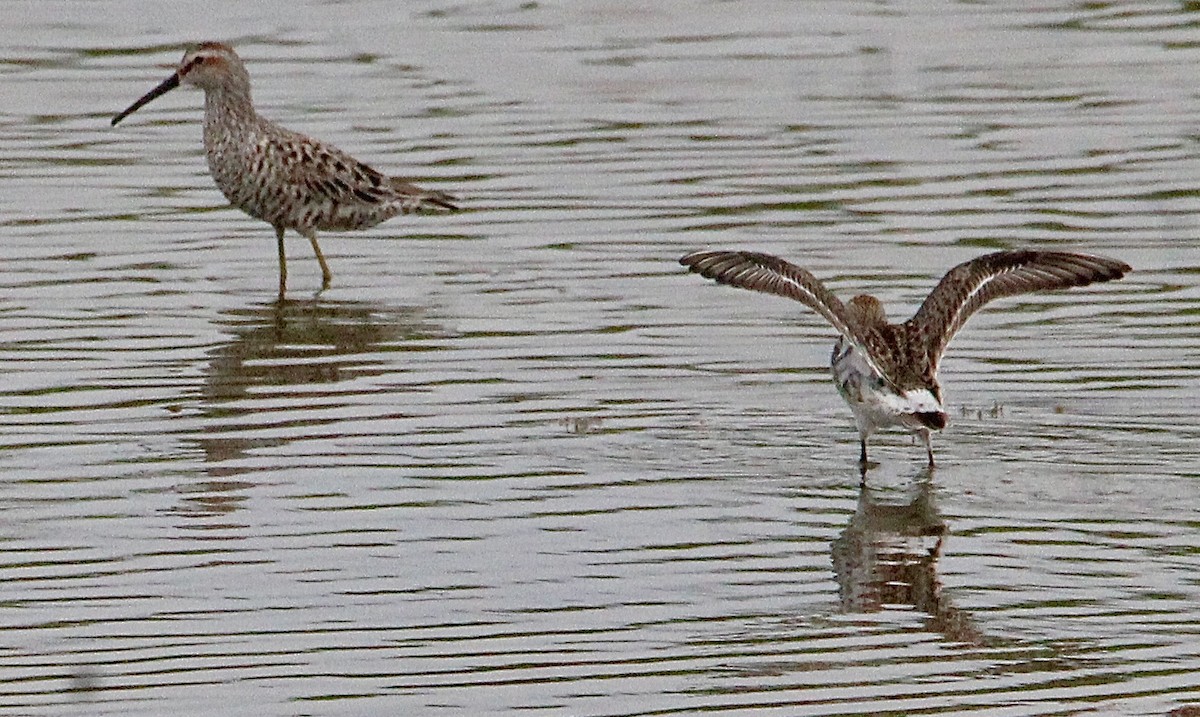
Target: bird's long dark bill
(166, 86)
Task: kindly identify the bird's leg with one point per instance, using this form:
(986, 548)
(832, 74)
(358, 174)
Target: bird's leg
(927, 436)
(863, 463)
(282, 263)
(325, 273)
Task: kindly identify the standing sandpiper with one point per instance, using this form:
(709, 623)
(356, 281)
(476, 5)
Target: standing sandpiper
(287, 179)
(888, 372)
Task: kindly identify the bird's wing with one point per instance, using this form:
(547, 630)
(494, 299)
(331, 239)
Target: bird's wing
(322, 171)
(772, 275)
(970, 285)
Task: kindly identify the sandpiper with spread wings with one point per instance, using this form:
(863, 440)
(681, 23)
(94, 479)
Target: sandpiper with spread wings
(287, 179)
(888, 372)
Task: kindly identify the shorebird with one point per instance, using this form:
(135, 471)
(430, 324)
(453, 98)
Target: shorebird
(886, 372)
(287, 179)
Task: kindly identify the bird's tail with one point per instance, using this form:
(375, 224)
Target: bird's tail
(418, 199)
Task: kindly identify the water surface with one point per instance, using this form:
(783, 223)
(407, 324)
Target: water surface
(517, 460)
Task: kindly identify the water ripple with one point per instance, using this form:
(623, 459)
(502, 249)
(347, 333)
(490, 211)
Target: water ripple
(516, 458)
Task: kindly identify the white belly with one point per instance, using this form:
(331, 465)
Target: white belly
(874, 404)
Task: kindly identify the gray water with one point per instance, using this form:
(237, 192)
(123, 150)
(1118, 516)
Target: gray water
(516, 459)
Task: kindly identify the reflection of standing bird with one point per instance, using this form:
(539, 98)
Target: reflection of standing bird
(282, 177)
(888, 556)
(888, 372)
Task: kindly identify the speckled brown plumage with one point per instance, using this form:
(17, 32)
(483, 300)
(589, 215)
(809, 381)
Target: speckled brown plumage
(888, 372)
(287, 179)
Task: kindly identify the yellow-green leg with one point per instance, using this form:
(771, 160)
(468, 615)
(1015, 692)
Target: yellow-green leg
(326, 275)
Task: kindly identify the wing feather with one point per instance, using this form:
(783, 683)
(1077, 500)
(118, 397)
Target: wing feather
(324, 172)
(771, 275)
(967, 287)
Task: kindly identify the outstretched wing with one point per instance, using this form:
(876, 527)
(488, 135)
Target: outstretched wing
(772, 275)
(970, 285)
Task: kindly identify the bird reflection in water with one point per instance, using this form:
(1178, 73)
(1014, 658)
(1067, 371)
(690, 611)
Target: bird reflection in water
(299, 343)
(887, 557)
(258, 390)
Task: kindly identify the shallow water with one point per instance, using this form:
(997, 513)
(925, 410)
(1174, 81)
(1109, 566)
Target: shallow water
(515, 458)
